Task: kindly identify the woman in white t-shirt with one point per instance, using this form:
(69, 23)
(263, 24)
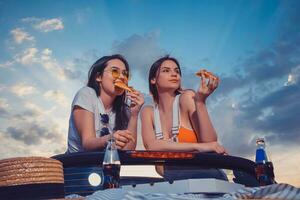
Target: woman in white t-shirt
(99, 109)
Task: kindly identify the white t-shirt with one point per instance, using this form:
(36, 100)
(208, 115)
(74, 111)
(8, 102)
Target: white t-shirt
(87, 99)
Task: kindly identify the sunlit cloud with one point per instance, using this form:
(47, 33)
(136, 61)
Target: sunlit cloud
(224, 114)
(20, 35)
(32, 133)
(12, 148)
(33, 56)
(293, 77)
(50, 25)
(145, 46)
(32, 127)
(28, 56)
(233, 105)
(22, 89)
(45, 25)
(4, 106)
(47, 60)
(286, 163)
(56, 96)
(7, 64)
(3, 103)
(34, 107)
(290, 80)
(79, 66)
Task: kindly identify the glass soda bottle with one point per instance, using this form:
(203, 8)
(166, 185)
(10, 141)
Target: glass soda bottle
(263, 167)
(111, 165)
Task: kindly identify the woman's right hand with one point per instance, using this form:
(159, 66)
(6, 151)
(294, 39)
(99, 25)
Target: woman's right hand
(137, 101)
(207, 87)
(122, 138)
(211, 146)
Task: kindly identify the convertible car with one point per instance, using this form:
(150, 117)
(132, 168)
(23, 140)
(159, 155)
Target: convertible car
(141, 175)
(186, 176)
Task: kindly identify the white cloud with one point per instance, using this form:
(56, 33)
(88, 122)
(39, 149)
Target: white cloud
(146, 46)
(20, 35)
(46, 53)
(57, 96)
(12, 148)
(34, 107)
(45, 25)
(47, 61)
(293, 77)
(22, 89)
(7, 64)
(29, 56)
(44, 58)
(3, 103)
(224, 114)
(50, 25)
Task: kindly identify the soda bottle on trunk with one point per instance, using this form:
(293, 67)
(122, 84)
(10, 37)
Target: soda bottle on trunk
(264, 169)
(111, 166)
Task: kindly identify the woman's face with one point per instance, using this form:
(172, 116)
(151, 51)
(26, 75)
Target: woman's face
(168, 76)
(109, 77)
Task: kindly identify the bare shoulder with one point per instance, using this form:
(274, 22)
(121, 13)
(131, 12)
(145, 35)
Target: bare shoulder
(147, 111)
(187, 94)
(187, 100)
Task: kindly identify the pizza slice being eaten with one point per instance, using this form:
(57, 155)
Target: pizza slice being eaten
(123, 86)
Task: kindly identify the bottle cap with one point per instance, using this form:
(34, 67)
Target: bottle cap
(260, 141)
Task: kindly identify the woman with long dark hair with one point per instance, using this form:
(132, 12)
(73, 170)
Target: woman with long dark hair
(178, 120)
(99, 108)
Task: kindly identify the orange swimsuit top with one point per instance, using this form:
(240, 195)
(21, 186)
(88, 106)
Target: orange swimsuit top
(187, 135)
(179, 133)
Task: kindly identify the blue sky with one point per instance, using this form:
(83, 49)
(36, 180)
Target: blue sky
(47, 48)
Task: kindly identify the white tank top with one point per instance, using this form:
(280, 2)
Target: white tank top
(175, 122)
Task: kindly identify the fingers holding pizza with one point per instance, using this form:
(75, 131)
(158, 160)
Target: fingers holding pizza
(209, 82)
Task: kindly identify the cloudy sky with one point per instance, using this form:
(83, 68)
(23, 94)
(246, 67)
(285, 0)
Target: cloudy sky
(47, 47)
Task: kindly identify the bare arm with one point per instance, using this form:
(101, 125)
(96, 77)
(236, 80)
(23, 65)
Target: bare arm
(151, 143)
(206, 88)
(132, 127)
(198, 116)
(84, 123)
(137, 100)
(208, 133)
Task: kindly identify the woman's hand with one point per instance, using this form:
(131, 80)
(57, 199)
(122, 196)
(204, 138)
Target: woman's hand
(211, 146)
(137, 101)
(207, 86)
(122, 137)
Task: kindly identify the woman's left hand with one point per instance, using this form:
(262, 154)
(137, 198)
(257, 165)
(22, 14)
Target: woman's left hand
(207, 86)
(137, 101)
(122, 138)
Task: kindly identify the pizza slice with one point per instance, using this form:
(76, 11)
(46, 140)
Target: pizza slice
(123, 86)
(206, 74)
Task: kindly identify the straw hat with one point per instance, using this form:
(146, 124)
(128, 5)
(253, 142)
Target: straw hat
(31, 178)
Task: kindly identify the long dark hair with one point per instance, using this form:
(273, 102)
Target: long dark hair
(153, 74)
(119, 106)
